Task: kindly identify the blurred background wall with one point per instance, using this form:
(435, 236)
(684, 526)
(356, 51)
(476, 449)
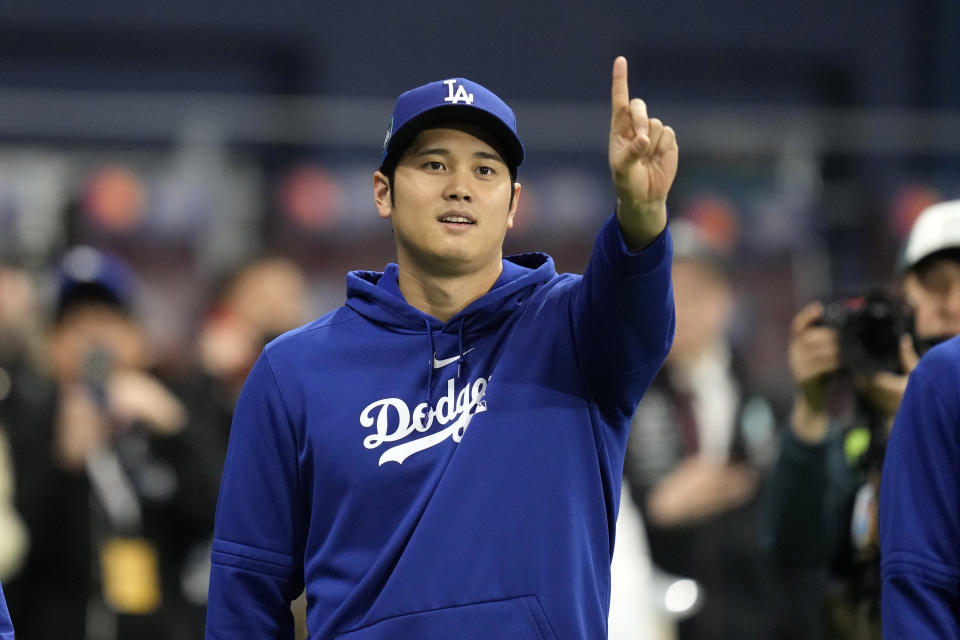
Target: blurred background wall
(189, 136)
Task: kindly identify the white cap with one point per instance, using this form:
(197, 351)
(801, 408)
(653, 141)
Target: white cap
(935, 229)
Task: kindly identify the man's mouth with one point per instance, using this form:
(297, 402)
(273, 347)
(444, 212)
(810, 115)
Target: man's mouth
(455, 218)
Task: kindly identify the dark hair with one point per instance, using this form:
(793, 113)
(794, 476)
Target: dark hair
(924, 264)
(87, 294)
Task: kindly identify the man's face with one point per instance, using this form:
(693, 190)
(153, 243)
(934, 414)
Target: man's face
(90, 328)
(934, 293)
(451, 205)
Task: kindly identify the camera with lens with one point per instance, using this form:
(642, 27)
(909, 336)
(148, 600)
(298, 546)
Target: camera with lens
(869, 328)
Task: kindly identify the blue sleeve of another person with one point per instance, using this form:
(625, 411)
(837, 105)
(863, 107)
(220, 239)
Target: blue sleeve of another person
(920, 504)
(6, 627)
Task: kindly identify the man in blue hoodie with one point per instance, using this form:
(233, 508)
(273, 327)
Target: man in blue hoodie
(351, 471)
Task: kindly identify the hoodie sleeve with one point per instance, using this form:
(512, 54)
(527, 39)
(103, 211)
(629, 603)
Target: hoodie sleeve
(919, 498)
(623, 318)
(257, 558)
(6, 627)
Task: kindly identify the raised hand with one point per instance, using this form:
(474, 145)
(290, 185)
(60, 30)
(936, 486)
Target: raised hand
(814, 356)
(643, 162)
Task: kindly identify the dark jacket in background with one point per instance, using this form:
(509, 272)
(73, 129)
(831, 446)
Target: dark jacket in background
(722, 552)
(807, 527)
(176, 481)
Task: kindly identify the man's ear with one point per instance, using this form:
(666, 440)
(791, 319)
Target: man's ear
(513, 206)
(381, 194)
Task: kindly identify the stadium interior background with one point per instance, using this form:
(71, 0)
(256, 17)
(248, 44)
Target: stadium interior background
(188, 136)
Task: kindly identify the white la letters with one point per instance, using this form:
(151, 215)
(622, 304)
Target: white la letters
(460, 96)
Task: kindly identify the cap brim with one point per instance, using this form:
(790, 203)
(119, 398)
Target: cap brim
(508, 143)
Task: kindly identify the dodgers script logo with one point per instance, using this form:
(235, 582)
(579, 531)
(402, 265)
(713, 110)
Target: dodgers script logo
(394, 421)
(460, 96)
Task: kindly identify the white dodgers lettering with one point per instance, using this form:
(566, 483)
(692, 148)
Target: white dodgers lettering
(394, 421)
(461, 94)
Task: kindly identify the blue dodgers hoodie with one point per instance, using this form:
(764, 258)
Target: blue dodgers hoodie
(429, 480)
(920, 504)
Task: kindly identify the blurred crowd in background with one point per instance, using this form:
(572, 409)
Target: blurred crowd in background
(178, 187)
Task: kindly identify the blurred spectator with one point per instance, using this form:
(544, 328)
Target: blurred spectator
(699, 442)
(112, 479)
(850, 365)
(18, 348)
(13, 533)
(260, 300)
(20, 335)
(919, 495)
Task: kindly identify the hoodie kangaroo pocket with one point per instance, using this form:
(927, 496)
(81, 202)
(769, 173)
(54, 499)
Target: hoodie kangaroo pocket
(518, 618)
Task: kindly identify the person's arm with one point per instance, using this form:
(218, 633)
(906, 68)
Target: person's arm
(804, 514)
(805, 511)
(623, 316)
(257, 559)
(643, 156)
(919, 512)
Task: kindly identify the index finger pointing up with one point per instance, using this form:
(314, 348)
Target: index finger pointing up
(620, 94)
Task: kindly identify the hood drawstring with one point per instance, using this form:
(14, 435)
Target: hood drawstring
(433, 354)
(462, 357)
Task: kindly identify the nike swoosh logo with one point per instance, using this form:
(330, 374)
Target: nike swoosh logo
(437, 364)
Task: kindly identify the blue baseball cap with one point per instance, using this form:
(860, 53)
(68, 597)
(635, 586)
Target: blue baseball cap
(452, 100)
(88, 275)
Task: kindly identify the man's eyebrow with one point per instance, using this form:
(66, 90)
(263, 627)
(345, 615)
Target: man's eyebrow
(486, 155)
(432, 151)
(440, 151)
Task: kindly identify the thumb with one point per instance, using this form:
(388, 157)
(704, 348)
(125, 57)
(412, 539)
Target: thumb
(908, 354)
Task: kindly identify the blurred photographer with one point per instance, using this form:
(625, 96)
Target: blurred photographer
(850, 360)
(112, 476)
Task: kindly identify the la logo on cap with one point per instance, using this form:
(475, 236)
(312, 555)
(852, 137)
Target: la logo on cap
(461, 94)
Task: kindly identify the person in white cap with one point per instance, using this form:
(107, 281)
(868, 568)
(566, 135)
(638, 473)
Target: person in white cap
(823, 507)
(931, 267)
(920, 490)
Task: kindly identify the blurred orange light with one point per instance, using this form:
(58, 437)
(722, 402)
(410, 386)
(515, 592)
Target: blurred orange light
(311, 197)
(907, 204)
(115, 198)
(717, 219)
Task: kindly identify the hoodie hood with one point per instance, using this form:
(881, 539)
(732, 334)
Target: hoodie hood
(376, 296)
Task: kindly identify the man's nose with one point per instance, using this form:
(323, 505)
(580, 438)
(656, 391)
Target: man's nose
(457, 187)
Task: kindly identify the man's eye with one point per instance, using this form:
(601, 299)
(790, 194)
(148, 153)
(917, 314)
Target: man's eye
(485, 171)
(434, 165)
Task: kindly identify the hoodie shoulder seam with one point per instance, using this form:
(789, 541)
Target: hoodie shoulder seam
(320, 324)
